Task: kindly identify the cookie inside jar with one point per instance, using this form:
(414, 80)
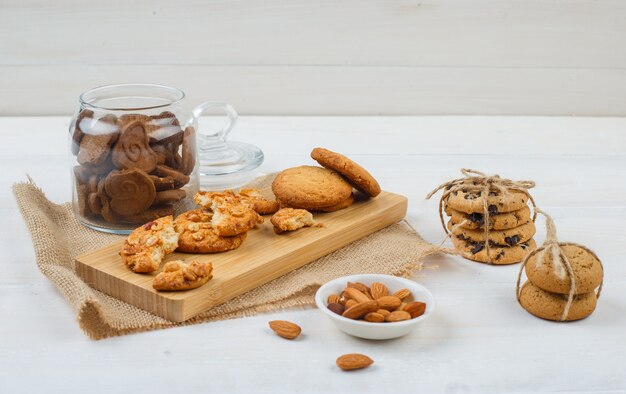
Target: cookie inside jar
(131, 167)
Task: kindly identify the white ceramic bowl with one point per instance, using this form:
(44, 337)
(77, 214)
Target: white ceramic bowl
(367, 330)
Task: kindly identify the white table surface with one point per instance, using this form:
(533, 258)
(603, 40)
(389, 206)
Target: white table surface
(479, 339)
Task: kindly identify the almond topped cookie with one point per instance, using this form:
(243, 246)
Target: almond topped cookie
(290, 219)
(310, 187)
(358, 176)
(196, 234)
(177, 275)
(146, 246)
(260, 204)
(231, 216)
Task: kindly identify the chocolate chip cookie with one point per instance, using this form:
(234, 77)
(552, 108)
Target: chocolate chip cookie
(510, 237)
(498, 255)
(499, 221)
(497, 202)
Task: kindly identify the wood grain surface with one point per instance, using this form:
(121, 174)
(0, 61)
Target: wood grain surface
(262, 257)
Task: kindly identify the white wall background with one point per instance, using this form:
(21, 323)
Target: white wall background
(366, 57)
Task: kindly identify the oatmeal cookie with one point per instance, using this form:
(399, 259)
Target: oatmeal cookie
(177, 275)
(290, 219)
(196, 234)
(550, 306)
(147, 245)
(358, 176)
(310, 187)
(587, 269)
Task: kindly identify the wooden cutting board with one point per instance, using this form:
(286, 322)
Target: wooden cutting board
(263, 257)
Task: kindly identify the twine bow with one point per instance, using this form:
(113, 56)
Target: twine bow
(478, 182)
(560, 262)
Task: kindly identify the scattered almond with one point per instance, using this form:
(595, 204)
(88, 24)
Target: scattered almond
(336, 307)
(333, 299)
(397, 316)
(402, 293)
(352, 361)
(285, 329)
(379, 290)
(415, 309)
(361, 309)
(389, 302)
(374, 317)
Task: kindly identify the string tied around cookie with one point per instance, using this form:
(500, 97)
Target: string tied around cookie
(560, 263)
(475, 181)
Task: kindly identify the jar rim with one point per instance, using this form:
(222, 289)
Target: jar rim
(90, 97)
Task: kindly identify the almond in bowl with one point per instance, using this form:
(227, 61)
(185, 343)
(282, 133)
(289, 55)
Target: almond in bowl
(375, 306)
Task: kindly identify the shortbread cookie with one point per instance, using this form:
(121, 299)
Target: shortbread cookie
(95, 148)
(499, 254)
(83, 122)
(260, 204)
(510, 237)
(550, 306)
(587, 269)
(499, 221)
(147, 245)
(196, 234)
(469, 202)
(231, 216)
(188, 159)
(290, 219)
(358, 176)
(177, 275)
(309, 187)
(342, 205)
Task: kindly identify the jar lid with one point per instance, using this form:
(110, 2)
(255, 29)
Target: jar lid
(227, 164)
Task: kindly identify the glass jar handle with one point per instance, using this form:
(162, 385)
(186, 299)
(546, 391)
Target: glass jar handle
(216, 140)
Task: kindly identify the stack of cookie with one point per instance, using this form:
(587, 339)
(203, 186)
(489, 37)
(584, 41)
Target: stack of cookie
(545, 294)
(562, 279)
(324, 189)
(510, 228)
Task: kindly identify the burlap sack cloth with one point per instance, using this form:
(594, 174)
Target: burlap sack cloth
(58, 238)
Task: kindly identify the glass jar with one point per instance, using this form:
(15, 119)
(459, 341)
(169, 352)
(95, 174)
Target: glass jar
(134, 155)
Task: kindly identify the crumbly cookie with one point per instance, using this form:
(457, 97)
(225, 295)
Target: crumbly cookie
(499, 254)
(177, 275)
(147, 245)
(510, 237)
(587, 269)
(550, 306)
(260, 204)
(469, 202)
(231, 216)
(310, 187)
(290, 219)
(358, 176)
(499, 221)
(196, 234)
